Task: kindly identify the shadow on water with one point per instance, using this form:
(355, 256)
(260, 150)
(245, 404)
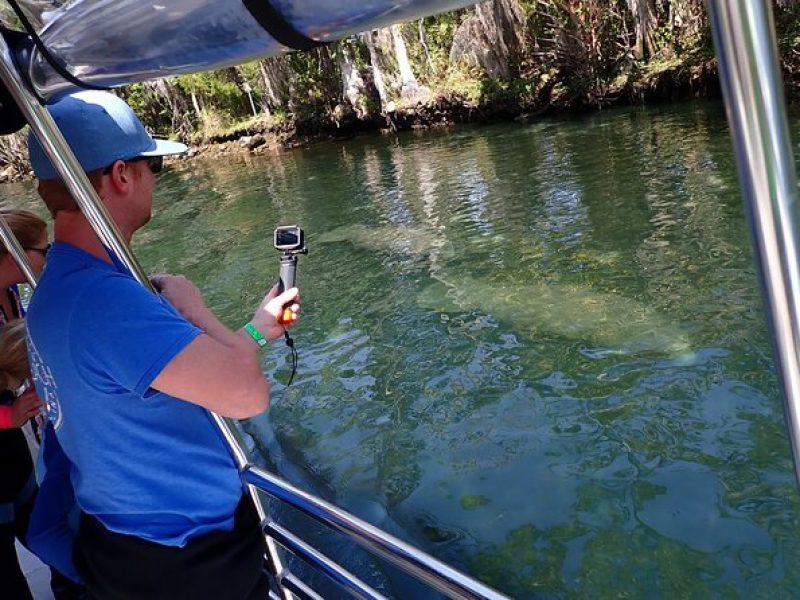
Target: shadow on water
(537, 352)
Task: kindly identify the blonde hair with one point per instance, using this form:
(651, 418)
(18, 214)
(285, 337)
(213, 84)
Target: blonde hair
(27, 227)
(13, 354)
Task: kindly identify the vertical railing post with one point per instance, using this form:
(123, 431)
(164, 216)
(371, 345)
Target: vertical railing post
(744, 35)
(63, 159)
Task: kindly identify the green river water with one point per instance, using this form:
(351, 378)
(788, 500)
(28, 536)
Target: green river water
(536, 351)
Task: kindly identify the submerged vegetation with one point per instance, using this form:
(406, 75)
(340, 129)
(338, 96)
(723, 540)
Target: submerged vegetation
(498, 59)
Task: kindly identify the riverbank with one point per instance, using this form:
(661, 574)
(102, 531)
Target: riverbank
(666, 82)
(663, 82)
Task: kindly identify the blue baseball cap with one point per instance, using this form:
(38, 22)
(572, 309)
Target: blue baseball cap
(101, 129)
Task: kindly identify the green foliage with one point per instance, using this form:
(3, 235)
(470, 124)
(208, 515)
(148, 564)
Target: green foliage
(218, 92)
(463, 83)
(151, 108)
(521, 90)
(437, 34)
(9, 18)
(579, 50)
(315, 85)
(787, 19)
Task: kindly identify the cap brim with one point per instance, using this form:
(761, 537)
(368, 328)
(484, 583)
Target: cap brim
(165, 148)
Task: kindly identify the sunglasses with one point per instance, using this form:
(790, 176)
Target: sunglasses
(42, 251)
(154, 163)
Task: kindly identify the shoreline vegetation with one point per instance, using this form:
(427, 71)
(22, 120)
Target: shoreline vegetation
(499, 60)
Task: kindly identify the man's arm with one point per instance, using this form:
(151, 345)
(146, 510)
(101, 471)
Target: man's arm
(220, 369)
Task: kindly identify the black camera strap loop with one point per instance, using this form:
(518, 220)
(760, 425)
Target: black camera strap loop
(290, 344)
(275, 24)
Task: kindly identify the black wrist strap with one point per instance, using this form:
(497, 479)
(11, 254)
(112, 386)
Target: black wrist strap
(278, 27)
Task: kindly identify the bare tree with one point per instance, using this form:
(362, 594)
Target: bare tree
(493, 38)
(411, 92)
(275, 74)
(688, 20)
(176, 102)
(378, 44)
(644, 24)
(353, 87)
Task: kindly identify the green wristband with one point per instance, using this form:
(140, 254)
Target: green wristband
(255, 334)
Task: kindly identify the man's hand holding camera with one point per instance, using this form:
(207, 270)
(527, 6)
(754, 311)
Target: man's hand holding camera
(277, 312)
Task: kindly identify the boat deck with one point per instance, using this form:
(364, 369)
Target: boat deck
(37, 573)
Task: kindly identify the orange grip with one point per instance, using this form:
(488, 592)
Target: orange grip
(287, 317)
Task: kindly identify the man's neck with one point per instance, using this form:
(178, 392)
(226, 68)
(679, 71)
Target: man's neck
(73, 228)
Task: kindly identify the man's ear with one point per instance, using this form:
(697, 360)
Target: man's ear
(120, 177)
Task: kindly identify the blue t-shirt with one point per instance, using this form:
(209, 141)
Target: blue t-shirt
(54, 518)
(144, 463)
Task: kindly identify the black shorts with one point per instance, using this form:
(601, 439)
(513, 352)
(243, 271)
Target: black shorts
(217, 565)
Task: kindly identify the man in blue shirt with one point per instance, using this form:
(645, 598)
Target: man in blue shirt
(129, 377)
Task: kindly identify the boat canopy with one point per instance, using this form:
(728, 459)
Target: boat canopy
(111, 43)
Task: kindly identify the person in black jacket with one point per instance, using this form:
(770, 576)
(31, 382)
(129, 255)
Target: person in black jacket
(18, 406)
(17, 481)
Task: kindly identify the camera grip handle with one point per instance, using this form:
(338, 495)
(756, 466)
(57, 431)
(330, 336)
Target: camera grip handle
(286, 281)
(287, 273)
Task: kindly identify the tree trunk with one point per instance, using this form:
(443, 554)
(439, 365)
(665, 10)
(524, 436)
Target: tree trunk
(411, 92)
(493, 39)
(407, 76)
(381, 76)
(644, 23)
(424, 44)
(196, 105)
(176, 100)
(688, 20)
(353, 87)
(503, 24)
(275, 79)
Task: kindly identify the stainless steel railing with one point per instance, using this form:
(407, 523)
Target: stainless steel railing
(744, 35)
(424, 567)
